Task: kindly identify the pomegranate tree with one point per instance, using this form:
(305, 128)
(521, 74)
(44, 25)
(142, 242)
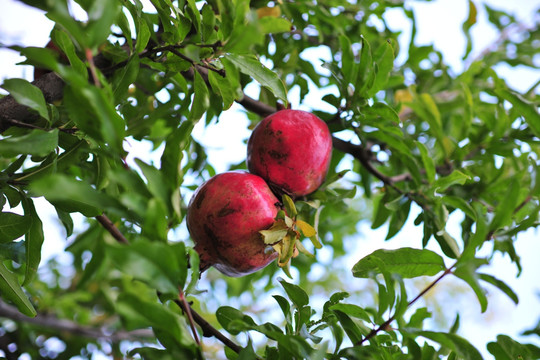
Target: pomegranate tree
(291, 150)
(224, 218)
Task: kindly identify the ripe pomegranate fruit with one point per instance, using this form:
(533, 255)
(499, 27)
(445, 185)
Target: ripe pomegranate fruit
(224, 218)
(291, 150)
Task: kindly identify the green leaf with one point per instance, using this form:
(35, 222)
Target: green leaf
(251, 66)
(13, 226)
(398, 219)
(467, 273)
(507, 348)
(290, 208)
(366, 73)
(151, 262)
(201, 100)
(274, 25)
(297, 295)
(33, 241)
(406, 262)
(505, 209)
(384, 111)
(456, 177)
(27, 94)
(351, 328)
(427, 160)
(222, 86)
(467, 24)
(352, 310)
(453, 342)
(143, 35)
(525, 108)
(12, 291)
(234, 320)
(101, 16)
(461, 204)
(93, 112)
(65, 43)
(348, 65)
(34, 142)
(123, 78)
(159, 317)
(73, 195)
(501, 285)
(384, 58)
(156, 183)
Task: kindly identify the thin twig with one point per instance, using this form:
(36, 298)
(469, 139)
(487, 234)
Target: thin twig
(385, 324)
(208, 329)
(183, 300)
(92, 65)
(111, 228)
(64, 325)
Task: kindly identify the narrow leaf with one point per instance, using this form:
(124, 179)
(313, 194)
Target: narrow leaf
(12, 291)
(13, 226)
(297, 295)
(201, 100)
(33, 241)
(525, 108)
(249, 65)
(306, 228)
(406, 262)
(427, 160)
(35, 142)
(501, 285)
(453, 342)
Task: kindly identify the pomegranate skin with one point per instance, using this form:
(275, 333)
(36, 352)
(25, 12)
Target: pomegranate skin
(224, 218)
(291, 150)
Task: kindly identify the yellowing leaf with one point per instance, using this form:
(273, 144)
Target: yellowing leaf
(269, 11)
(403, 95)
(300, 247)
(275, 233)
(305, 228)
(289, 205)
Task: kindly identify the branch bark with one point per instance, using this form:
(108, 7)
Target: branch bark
(63, 325)
(52, 87)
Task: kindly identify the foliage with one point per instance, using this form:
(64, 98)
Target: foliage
(424, 137)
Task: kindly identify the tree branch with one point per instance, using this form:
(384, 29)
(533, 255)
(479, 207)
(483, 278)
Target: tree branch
(111, 228)
(207, 328)
(52, 87)
(51, 322)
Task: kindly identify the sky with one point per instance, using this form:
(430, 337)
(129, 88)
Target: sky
(439, 23)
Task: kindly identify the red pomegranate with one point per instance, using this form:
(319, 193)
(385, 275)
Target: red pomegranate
(291, 150)
(224, 218)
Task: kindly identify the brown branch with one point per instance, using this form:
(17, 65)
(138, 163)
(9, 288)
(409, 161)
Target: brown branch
(52, 87)
(63, 325)
(188, 311)
(363, 155)
(111, 228)
(207, 328)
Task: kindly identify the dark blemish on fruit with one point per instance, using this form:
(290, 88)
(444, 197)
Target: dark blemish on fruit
(279, 132)
(226, 210)
(278, 155)
(200, 198)
(210, 233)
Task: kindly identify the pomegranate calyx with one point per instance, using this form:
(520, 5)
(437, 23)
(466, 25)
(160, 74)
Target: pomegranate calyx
(285, 233)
